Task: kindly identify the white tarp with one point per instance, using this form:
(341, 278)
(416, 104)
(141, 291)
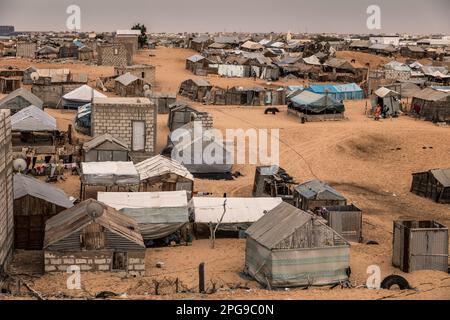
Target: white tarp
(164, 199)
(231, 70)
(109, 173)
(83, 93)
(238, 210)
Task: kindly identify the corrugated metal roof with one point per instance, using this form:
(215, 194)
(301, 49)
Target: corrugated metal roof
(385, 92)
(318, 190)
(238, 210)
(196, 58)
(442, 175)
(430, 94)
(25, 94)
(25, 185)
(126, 78)
(33, 119)
(202, 82)
(278, 224)
(71, 220)
(160, 165)
(98, 140)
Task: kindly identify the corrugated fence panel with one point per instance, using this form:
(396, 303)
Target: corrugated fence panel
(428, 250)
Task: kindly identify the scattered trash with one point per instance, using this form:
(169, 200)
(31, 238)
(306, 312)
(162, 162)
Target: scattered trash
(393, 280)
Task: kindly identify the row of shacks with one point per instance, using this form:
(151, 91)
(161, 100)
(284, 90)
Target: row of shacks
(241, 64)
(314, 231)
(203, 91)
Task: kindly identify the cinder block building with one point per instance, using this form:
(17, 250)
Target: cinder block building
(143, 71)
(117, 54)
(132, 120)
(6, 190)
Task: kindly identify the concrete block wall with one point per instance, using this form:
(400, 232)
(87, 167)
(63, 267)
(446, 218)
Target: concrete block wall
(137, 70)
(106, 54)
(397, 75)
(6, 190)
(93, 261)
(206, 119)
(117, 120)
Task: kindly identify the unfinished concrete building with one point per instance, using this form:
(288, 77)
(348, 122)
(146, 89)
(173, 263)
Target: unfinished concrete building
(131, 120)
(117, 54)
(143, 71)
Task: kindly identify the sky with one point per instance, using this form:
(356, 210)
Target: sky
(313, 16)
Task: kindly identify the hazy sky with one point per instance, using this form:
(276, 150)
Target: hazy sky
(341, 16)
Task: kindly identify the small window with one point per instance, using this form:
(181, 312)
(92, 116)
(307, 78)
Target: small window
(143, 75)
(119, 261)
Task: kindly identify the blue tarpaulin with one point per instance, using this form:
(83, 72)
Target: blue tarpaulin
(349, 91)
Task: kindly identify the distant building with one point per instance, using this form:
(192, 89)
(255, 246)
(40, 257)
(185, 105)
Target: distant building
(26, 49)
(384, 39)
(6, 30)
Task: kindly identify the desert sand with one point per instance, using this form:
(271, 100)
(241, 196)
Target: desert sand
(369, 162)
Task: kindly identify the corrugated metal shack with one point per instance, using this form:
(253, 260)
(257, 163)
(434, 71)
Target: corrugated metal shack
(315, 194)
(181, 114)
(34, 203)
(195, 89)
(432, 105)
(240, 213)
(273, 181)
(105, 148)
(420, 245)
(158, 214)
(164, 174)
(433, 184)
(94, 237)
(289, 247)
(19, 99)
(162, 100)
(345, 220)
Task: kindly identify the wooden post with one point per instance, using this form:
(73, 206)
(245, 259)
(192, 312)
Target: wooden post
(201, 277)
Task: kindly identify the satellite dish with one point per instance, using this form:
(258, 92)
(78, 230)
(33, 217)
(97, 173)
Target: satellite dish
(94, 209)
(146, 87)
(34, 76)
(19, 165)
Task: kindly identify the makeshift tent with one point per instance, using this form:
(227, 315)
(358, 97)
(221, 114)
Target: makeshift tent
(388, 99)
(158, 214)
(80, 96)
(289, 247)
(239, 212)
(432, 105)
(170, 173)
(348, 91)
(312, 103)
(109, 174)
(33, 119)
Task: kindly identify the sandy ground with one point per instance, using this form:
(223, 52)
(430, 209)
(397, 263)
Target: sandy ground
(369, 162)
